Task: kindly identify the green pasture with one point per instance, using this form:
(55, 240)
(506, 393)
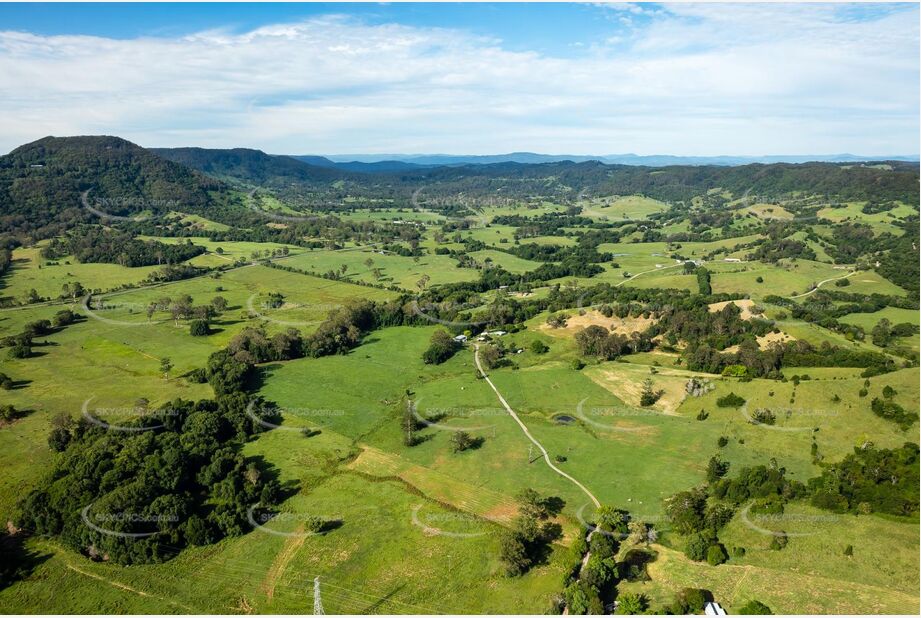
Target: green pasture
(404, 272)
(31, 271)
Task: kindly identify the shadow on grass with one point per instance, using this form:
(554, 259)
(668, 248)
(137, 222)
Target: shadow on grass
(17, 562)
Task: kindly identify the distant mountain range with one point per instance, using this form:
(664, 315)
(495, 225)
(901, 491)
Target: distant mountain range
(398, 162)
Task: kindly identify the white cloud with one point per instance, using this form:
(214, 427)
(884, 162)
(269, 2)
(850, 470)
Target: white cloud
(683, 79)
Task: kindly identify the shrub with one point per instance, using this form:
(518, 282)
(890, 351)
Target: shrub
(557, 320)
(631, 604)
(716, 469)
(756, 608)
(9, 413)
(199, 328)
(779, 541)
(58, 439)
(441, 347)
(649, 396)
(539, 347)
(735, 371)
(461, 441)
(730, 401)
(21, 349)
(694, 599)
(763, 416)
(64, 317)
(716, 555)
(697, 547)
(314, 524)
(891, 411)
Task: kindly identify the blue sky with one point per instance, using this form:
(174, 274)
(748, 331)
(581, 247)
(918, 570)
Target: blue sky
(467, 78)
(550, 28)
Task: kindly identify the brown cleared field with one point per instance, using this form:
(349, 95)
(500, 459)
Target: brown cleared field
(576, 323)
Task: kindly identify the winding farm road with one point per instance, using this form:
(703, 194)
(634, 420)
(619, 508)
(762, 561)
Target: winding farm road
(617, 285)
(524, 428)
(821, 283)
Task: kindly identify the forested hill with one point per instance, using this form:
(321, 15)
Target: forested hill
(251, 166)
(565, 179)
(890, 181)
(41, 183)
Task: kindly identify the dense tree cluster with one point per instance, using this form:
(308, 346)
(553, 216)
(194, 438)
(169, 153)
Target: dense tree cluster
(179, 479)
(597, 341)
(760, 363)
(772, 251)
(703, 281)
(6, 259)
(89, 244)
(441, 347)
(871, 480)
(699, 326)
(825, 307)
(891, 411)
(899, 260)
(527, 542)
(700, 513)
(230, 370)
(556, 253)
(343, 329)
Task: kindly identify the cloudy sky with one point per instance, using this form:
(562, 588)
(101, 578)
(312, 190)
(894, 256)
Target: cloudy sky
(684, 79)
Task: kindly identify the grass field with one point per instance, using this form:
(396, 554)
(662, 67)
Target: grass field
(769, 211)
(784, 590)
(420, 525)
(31, 271)
(625, 207)
(880, 222)
(509, 262)
(398, 270)
(199, 222)
(893, 314)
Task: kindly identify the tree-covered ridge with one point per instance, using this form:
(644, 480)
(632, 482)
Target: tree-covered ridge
(250, 166)
(567, 180)
(41, 183)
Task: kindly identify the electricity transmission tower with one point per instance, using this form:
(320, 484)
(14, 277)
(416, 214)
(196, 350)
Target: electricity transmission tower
(317, 602)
